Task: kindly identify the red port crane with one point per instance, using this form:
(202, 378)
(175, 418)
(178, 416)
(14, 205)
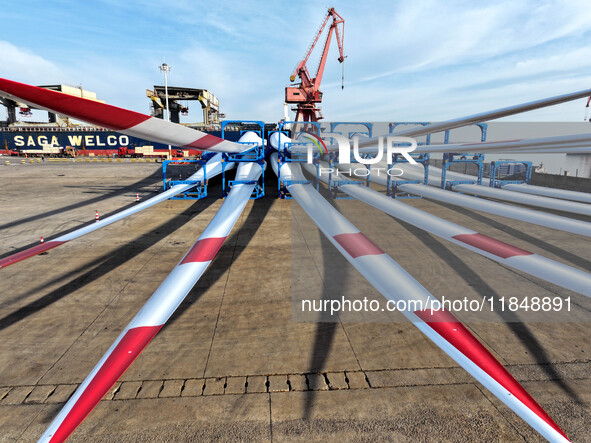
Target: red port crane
(306, 94)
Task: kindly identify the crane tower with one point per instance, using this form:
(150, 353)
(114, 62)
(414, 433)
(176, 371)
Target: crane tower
(306, 94)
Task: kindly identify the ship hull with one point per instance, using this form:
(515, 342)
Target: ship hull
(87, 142)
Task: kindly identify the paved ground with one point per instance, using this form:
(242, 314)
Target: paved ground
(238, 361)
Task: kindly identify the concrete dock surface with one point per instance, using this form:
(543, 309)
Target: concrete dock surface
(237, 362)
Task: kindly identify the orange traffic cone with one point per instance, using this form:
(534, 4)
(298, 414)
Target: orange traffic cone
(42, 241)
(137, 196)
(96, 216)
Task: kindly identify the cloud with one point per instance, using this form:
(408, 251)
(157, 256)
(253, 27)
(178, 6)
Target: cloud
(245, 88)
(24, 65)
(114, 81)
(416, 35)
(423, 60)
(431, 60)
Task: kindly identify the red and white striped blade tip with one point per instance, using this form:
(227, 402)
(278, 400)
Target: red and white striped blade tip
(456, 334)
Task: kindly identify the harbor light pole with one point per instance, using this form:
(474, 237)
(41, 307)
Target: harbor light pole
(165, 68)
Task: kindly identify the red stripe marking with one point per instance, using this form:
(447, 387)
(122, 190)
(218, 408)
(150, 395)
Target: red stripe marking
(448, 327)
(205, 142)
(83, 109)
(357, 245)
(14, 258)
(488, 244)
(204, 250)
(126, 351)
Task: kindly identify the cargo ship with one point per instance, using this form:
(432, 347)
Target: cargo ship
(40, 139)
(59, 136)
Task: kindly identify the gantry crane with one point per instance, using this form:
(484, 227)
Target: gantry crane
(306, 94)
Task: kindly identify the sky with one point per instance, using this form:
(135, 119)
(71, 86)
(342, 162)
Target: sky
(422, 60)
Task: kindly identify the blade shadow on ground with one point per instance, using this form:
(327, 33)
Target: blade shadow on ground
(514, 323)
(100, 266)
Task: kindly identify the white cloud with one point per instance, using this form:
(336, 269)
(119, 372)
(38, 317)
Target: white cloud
(23, 65)
(417, 36)
(407, 60)
(432, 60)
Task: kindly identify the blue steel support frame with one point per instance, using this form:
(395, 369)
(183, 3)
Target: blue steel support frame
(450, 158)
(334, 185)
(291, 133)
(392, 126)
(286, 156)
(196, 193)
(497, 182)
(255, 154)
(482, 126)
(393, 186)
(483, 130)
(369, 126)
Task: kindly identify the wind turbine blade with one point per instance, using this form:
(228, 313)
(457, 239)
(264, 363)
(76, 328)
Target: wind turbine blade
(157, 310)
(111, 117)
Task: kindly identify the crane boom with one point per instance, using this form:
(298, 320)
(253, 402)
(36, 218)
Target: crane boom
(306, 94)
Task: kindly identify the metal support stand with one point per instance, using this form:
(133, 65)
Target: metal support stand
(333, 185)
(450, 158)
(367, 133)
(294, 128)
(393, 186)
(335, 192)
(255, 154)
(393, 125)
(285, 155)
(257, 192)
(196, 193)
(495, 169)
(482, 126)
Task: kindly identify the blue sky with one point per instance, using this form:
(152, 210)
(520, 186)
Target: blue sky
(419, 60)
